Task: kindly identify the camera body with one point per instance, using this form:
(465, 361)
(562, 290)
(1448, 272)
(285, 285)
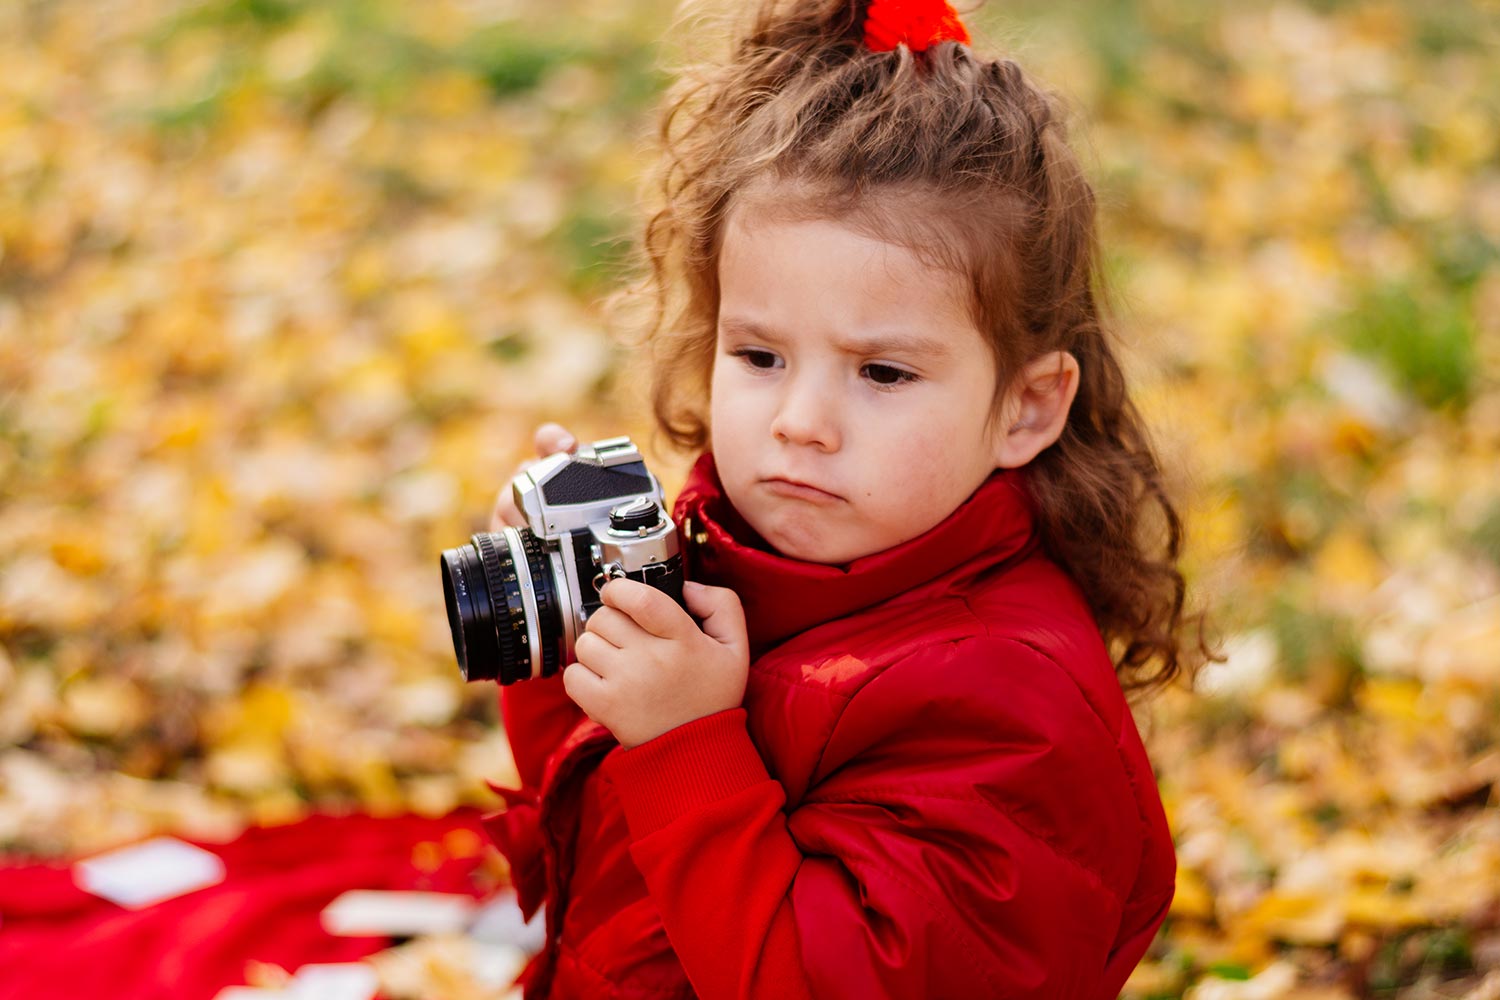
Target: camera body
(519, 598)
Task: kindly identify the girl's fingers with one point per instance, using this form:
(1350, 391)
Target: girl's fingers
(595, 652)
(504, 514)
(616, 628)
(648, 607)
(552, 438)
(586, 688)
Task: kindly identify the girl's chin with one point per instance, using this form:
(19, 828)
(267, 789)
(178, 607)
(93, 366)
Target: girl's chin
(803, 553)
(800, 540)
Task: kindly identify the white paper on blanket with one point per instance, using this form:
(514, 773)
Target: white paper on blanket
(334, 981)
(367, 912)
(319, 981)
(143, 874)
(499, 921)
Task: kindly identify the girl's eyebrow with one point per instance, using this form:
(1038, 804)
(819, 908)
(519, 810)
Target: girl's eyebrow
(875, 344)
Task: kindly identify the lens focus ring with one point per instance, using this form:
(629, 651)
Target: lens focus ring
(548, 612)
(510, 619)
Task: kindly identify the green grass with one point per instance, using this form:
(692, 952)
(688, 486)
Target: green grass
(1425, 341)
(512, 63)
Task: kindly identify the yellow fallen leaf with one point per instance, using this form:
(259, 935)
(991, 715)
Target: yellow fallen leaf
(78, 554)
(1380, 909)
(1192, 898)
(103, 706)
(247, 768)
(1300, 918)
(1396, 698)
(260, 715)
(1347, 560)
(1152, 979)
(377, 786)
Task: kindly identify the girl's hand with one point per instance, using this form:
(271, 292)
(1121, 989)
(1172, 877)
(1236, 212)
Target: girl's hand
(644, 667)
(550, 439)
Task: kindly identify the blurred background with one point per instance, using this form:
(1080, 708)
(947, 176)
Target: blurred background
(285, 286)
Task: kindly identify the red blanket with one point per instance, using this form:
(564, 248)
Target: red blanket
(58, 942)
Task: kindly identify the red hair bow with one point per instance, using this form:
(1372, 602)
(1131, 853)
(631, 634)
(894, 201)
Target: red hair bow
(918, 23)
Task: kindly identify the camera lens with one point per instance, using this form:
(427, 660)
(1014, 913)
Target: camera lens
(504, 615)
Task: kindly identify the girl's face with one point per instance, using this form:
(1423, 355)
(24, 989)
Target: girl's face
(846, 364)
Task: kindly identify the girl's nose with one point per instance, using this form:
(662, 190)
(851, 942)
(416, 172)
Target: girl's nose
(807, 415)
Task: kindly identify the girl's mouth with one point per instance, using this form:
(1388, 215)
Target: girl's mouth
(799, 491)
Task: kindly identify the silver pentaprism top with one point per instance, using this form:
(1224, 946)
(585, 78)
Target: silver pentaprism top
(568, 492)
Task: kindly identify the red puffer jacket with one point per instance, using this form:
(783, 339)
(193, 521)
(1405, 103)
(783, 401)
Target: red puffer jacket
(934, 788)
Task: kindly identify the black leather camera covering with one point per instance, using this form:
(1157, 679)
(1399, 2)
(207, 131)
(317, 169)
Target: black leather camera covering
(581, 482)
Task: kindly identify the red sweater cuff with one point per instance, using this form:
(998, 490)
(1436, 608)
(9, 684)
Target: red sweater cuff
(683, 769)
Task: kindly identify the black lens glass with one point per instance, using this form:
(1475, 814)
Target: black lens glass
(471, 615)
(487, 609)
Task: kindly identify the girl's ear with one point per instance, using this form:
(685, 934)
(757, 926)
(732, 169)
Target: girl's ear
(1036, 408)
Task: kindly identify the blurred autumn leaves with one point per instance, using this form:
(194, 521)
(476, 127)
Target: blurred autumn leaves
(283, 289)
(285, 285)
(1306, 214)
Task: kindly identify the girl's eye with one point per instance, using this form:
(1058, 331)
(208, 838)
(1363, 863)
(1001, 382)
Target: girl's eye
(755, 359)
(884, 377)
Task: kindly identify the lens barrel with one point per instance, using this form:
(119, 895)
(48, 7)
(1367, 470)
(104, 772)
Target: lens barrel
(505, 618)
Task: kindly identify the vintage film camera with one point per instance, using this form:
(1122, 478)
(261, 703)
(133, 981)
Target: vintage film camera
(518, 598)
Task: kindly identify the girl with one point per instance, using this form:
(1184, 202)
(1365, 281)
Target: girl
(896, 760)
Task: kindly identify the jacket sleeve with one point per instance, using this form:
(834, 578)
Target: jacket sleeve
(538, 716)
(952, 850)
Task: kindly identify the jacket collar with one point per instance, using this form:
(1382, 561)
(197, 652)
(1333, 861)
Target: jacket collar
(784, 596)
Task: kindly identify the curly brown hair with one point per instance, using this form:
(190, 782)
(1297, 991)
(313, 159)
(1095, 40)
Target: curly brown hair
(965, 162)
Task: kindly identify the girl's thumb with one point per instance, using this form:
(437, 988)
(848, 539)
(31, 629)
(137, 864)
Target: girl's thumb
(719, 610)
